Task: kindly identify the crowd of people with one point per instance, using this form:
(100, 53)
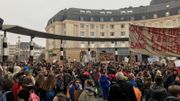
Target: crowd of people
(74, 81)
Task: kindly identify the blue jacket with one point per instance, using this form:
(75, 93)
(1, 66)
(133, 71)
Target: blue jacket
(105, 81)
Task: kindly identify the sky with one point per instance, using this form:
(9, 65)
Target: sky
(34, 14)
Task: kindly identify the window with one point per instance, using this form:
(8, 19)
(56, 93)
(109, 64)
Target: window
(167, 6)
(82, 25)
(81, 18)
(178, 19)
(109, 12)
(178, 11)
(129, 11)
(101, 19)
(143, 17)
(123, 12)
(88, 12)
(82, 34)
(82, 42)
(82, 11)
(92, 26)
(112, 42)
(111, 33)
(167, 13)
(92, 34)
(122, 26)
(102, 42)
(101, 26)
(102, 12)
(102, 34)
(92, 42)
(111, 19)
(122, 34)
(123, 42)
(92, 19)
(122, 18)
(155, 16)
(111, 26)
(132, 18)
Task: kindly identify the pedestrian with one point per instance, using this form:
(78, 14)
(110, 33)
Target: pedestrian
(88, 93)
(121, 90)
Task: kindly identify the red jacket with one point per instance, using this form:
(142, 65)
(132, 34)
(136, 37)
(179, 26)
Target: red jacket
(15, 89)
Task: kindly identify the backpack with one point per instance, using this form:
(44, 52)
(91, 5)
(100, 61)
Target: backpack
(33, 97)
(3, 95)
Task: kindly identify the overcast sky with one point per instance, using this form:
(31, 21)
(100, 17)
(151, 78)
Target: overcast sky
(34, 14)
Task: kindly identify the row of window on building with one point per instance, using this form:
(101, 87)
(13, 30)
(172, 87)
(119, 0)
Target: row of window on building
(102, 34)
(112, 42)
(102, 26)
(111, 19)
(106, 12)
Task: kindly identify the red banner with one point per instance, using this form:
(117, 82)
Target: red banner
(155, 41)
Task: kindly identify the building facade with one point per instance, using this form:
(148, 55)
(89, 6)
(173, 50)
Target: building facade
(106, 23)
(1, 47)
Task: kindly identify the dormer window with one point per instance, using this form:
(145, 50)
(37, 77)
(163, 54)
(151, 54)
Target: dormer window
(88, 12)
(82, 11)
(109, 12)
(123, 12)
(129, 11)
(167, 13)
(102, 12)
(155, 16)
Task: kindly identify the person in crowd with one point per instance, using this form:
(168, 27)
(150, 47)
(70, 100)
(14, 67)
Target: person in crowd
(174, 93)
(50, 87)
(75, 89)
(96, 77)
(131, 78)
(6, 92)
(140, 83)
(40, 80)
(147, 85)
(105, 84)
(17, 85)
(67, 79)
(60, 97)
(88, 93)
(177, 80)
(171, 78)
(121, 90)
(157, 91)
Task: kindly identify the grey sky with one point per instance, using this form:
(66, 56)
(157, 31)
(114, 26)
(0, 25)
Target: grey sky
(34, 14)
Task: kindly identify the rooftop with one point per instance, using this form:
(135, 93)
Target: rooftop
(159, 7)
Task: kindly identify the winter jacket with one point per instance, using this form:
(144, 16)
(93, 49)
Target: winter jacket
(88, 94)
(105, 81)
(157, 93)
(15, 89)
(122, 91)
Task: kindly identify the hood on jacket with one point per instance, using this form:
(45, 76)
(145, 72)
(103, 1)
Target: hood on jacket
(90, 91)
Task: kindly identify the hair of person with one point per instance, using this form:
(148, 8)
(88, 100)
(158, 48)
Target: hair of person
(119, 76)
(50, 82)
(40, 80)
(89, 82)
(174, 90)
(61, 97)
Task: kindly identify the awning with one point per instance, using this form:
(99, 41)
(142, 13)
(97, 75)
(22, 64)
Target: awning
(29, 32)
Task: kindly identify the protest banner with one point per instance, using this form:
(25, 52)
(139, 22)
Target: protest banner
(155, 41)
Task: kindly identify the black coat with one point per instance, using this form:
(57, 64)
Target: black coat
(122, 91)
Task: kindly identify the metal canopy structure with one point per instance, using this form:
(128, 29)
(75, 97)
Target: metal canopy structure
(33, 33)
